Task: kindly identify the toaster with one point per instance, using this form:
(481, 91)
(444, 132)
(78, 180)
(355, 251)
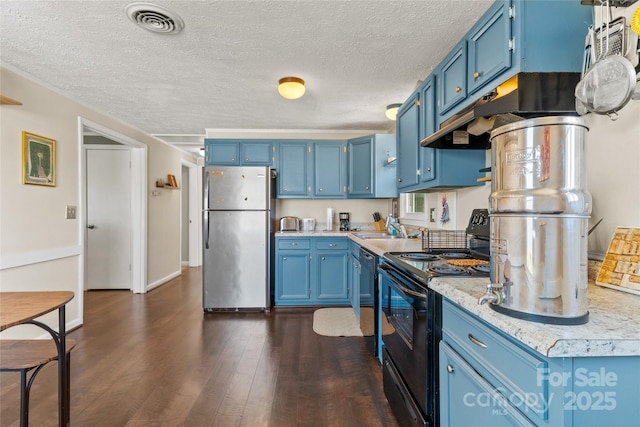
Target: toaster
(289, 223)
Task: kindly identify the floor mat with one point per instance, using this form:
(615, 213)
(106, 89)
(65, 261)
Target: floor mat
(336, 322)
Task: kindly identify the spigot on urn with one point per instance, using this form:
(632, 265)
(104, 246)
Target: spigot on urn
(494, 294)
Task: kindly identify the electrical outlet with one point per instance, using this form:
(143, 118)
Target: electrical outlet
(70, 212)
(432, 215)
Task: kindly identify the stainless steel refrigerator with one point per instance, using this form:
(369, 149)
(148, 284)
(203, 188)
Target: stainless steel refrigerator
(238, 218)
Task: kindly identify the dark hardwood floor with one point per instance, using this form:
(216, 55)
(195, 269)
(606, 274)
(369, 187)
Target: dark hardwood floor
(158, 360)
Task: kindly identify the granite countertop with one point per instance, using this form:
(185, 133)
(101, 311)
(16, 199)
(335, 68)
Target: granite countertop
(613, 327)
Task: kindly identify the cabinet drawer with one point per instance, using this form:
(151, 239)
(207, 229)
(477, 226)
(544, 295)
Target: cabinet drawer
(294, 243)
(520, 372)
(332, 244)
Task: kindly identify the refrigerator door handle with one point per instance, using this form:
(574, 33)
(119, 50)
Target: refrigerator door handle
(206, 211)
(206, 192)
(206, 229)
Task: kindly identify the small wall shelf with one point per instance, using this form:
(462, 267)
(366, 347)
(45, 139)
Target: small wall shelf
(172, 183)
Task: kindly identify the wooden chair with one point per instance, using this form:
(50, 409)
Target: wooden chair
(26, 356)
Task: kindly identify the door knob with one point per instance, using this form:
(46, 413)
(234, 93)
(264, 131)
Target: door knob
(91, 226)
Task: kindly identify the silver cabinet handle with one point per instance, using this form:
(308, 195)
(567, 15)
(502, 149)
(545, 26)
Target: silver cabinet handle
(476, 342)
(91, 226)
(294, 244)
(332, 244)
(450, 369)
(323, 258)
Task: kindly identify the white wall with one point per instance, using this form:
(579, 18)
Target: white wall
(361, 210)
(40, 250)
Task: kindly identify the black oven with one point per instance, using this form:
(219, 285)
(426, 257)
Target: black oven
(409, 362)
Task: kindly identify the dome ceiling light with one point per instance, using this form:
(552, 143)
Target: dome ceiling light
(291, 87)
(392, 111)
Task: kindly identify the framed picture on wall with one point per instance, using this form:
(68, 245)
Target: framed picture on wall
(38, 160)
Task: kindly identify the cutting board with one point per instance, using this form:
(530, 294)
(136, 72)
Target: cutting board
(621, 266)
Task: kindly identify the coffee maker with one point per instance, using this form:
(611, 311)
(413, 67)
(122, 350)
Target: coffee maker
(344, 221)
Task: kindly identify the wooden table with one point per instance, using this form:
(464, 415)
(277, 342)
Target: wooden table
(20, 308)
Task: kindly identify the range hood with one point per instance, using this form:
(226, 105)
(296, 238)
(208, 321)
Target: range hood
(525, 95)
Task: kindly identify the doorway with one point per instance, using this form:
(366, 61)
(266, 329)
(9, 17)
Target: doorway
(190, 214)
(108, 144)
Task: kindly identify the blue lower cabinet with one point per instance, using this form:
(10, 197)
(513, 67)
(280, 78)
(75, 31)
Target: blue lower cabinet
(466, 399)
(312, 271)
(331, 277)
(489, 378)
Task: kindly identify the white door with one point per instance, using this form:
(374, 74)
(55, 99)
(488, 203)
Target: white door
(109, 229)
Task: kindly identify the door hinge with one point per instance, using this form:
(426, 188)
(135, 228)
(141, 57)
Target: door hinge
(344, 148)
(309, 148)
(512, 44)
(418, 172)
(512, 12)
(418, 102)
(344, 189)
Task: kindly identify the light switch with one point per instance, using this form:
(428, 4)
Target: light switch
(70, 212)
(432, 215)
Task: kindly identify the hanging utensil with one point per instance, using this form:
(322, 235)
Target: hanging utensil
(593, 227)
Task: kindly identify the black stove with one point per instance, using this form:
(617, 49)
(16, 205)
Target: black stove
(433, 263)
(426, 265)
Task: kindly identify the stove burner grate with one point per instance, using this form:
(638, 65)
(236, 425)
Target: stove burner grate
(448, 269)
(418, 256)
(455, 255)
(482, 268)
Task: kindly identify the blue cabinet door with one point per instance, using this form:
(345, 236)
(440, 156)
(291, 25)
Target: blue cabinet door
(488, 44)
(354, 289)
(293, 277)
(361, 167)
(452, 78)
(426, 128)
(330, 169)
(222, 153)
(293, 173)
(466, 399)
(331, 277)
(259, 153)
(407, 135)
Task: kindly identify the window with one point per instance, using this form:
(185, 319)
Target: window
(413, 208)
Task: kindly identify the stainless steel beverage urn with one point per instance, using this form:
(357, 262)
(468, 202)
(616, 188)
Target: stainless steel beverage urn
(539, 213)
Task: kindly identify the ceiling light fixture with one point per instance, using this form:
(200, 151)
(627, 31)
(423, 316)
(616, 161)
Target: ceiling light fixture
(154, 18)
(392, 111)
(291, 87)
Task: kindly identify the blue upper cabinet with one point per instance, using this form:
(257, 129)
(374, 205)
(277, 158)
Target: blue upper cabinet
(511, 37)
(489, 46)
(407, 135)
(330, 169)
(371, 174)
(294, 177)
(222, 152)
(452, 78)
(427, 127)
(260, 153)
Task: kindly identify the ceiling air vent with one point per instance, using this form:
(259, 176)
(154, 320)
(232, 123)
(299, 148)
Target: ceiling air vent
(154, 18)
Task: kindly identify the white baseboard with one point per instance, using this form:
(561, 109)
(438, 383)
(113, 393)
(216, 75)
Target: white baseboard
(163, 280)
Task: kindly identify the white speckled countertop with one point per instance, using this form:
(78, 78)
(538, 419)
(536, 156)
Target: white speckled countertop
(613, 327)
(614, 317)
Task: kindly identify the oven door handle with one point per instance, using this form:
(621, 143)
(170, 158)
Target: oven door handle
(396, 280)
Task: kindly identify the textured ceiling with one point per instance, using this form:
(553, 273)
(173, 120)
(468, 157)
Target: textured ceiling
(221, 71)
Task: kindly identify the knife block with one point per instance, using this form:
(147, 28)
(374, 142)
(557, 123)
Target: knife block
(380, 225)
